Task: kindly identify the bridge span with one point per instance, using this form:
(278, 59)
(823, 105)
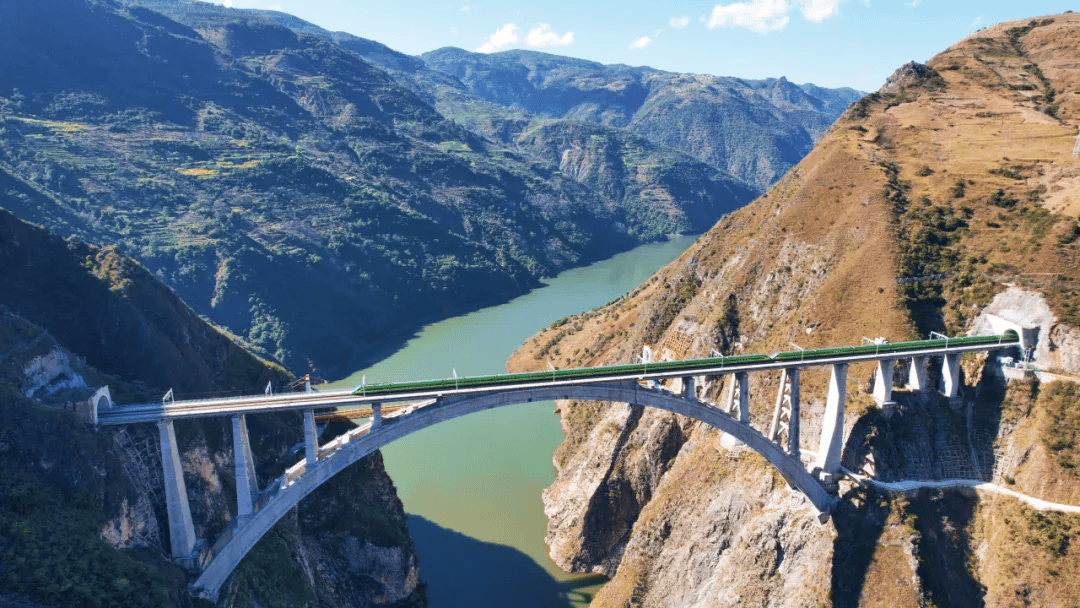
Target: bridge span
(413, 406)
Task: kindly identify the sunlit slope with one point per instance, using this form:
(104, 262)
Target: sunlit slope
(955, 181)
(963, 168)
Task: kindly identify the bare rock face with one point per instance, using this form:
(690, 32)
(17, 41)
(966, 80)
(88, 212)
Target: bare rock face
(740, 538)
(353, 535)
(592, 506)
(909, 75)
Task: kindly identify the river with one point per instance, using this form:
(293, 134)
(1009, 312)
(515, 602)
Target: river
(471, 486)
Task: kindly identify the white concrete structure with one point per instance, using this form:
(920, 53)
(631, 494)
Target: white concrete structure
(181, 531)
(917, 378)
(832, 423)
(883, 381)
(437, 402)
(247, 487)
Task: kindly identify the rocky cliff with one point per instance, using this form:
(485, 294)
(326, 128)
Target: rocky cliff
(942, 199)
(82, 513)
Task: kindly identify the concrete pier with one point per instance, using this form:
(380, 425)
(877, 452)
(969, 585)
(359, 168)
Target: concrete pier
(688, 386)
(742, 387)
(832, 423)
(917, 379)
(376, 415)
(247, 486)
(883, 381)
(950, 376)
(738, 405)
(793, 418)
(181, 532)
(311, 439)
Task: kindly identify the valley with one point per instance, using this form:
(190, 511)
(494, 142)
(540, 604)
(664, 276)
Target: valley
(203, 199)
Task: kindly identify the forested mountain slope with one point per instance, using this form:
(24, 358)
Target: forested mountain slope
(753, 129)
(282, 185)
(83, 520)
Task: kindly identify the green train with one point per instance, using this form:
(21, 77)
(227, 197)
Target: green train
(1008, 338)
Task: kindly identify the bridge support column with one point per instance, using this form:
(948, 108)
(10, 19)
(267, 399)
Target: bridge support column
(376, 416)
(786, 412)
(793, 418)
(738, 397)
(917, 380)
(311, 439)
(832, 424)
(181, 531)
(688, 387)
(883, 381)
(950, 376)
(247, 487)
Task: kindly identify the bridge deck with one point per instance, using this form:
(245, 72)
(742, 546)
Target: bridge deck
(413, 391)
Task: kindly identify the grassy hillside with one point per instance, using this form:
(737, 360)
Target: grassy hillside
(945, 188)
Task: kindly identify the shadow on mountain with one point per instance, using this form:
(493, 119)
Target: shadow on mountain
(460, 571)
(927, 438)
(860, 519)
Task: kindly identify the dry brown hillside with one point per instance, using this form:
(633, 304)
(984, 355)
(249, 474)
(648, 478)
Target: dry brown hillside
(956, 181)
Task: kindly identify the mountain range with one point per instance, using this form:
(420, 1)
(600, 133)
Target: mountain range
(323, 196)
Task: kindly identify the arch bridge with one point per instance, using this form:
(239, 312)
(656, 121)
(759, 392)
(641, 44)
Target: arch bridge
(413, 406)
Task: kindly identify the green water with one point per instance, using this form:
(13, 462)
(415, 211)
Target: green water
(472, 485)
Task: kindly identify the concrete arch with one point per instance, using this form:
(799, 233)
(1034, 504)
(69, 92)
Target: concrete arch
(242, 538)
(101, 398)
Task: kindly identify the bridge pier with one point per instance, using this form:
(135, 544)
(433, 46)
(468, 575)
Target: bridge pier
(689, 388)
(247, 486)
(376, 416)
(738, 396)
(311, 439)
(917, 380)
(883, 381)
(832, 424)
(787, 402)
(793, 416)
(181, 531)
(950, 376)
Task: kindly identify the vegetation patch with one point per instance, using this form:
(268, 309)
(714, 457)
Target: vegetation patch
(1061, 400)
(669, 303)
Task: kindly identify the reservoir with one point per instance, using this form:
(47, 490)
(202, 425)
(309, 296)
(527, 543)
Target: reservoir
(472, 486)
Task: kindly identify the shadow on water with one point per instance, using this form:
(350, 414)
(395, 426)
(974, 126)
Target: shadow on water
(464, 572)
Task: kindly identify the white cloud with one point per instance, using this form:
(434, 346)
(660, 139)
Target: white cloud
(227, 3)
(764, 16)
(504, 36)
(679, 22)
(466, 8)
(818, 10)
(914, 3)
(543, 36)
(640, 43)
(761, 16)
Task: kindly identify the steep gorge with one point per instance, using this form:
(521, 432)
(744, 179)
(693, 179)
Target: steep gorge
(950, 186)
(82, 513)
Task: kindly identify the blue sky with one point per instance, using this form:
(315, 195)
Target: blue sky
(834, 43)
